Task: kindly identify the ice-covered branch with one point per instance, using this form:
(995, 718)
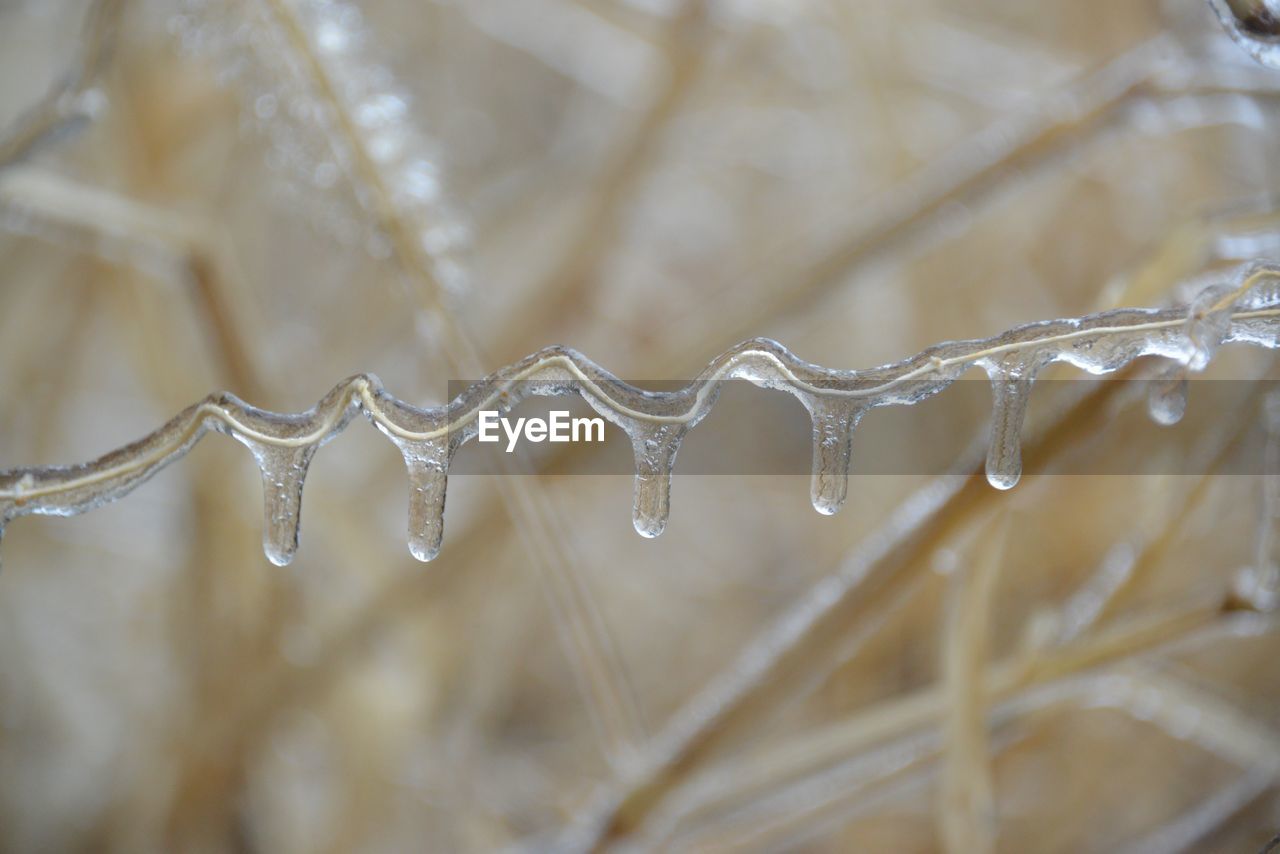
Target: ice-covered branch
(1245, 310)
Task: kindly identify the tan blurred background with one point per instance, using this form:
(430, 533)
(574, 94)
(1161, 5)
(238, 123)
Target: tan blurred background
(266, 196)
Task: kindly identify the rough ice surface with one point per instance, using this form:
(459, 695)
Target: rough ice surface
(1255, 26)
(1247, 310)
(391, 163)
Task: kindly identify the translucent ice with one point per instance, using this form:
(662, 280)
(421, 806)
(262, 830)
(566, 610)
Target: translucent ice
(1255, 26)
(1245, 310)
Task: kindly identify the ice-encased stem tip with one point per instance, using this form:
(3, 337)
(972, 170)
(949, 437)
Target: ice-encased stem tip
(655, 451)
(833, 426)
(428, 481)
(1010, 390)
(284, 469)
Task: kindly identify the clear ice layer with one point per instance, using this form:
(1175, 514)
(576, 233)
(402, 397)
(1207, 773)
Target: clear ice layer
(1248, 311)
(1255, 26)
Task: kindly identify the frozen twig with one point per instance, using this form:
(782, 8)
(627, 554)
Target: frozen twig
(892, 726)
(967, 820)
(808, 641)
(1130, 562)
(1259, 584)
(1103, 100)
(283, 444)
(1100, 343)
(583, 632)
(199, 249)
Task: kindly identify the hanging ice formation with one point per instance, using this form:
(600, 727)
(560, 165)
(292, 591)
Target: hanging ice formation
(283, 445)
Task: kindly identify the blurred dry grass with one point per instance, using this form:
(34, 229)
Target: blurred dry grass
(647, 182)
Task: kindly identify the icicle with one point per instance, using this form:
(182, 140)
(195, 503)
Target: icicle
(1254, 25)
(283, 446)
(1010, 390)
(428, 465)
(283, 471)
(833, 423)
(426, 461)
(1167, 397)
(655, 449)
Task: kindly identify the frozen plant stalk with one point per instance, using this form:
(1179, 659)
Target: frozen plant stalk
(1247, 311)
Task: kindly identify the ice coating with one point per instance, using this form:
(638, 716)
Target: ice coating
(1010, 392)
(1167, 399)
(833, 425)
(317, 87)
(655, 449)
(1255, 26)
(1208, 318)
(428, 476)
(283, 445)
